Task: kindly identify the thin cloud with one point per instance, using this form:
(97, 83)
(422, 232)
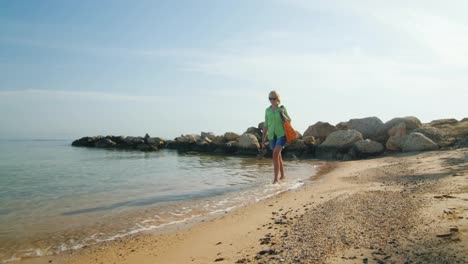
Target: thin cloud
(84, 95)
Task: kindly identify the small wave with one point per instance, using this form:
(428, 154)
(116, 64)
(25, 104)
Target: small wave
(177, 213)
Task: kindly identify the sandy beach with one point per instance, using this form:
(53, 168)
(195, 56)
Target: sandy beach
(401, 208)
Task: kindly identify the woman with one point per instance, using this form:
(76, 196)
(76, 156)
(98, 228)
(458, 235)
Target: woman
(273, 129)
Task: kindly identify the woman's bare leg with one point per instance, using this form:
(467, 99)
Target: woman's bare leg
(276, 164)
(281, 167)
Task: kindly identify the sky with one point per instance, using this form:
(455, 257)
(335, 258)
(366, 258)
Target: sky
(70, 69)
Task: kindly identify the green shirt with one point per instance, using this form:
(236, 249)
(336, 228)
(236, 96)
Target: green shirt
(274, 123)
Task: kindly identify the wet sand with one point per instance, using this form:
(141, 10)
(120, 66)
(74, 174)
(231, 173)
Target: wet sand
(394, 209)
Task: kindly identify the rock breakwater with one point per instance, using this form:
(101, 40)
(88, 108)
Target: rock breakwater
(355, 139)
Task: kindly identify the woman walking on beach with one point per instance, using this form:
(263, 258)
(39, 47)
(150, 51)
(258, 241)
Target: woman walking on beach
(274, 131)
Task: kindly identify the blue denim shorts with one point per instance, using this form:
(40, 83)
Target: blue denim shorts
(277, 142)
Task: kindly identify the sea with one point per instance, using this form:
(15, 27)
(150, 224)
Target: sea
(55, 197)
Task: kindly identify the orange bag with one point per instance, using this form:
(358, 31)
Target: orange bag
(291, 134)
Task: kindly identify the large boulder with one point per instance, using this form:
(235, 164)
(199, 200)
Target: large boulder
(84, 142)
(105, 143)
(147, 136)
(261, 126)
(418, 142)
(411, 123)
(462, 143)
(437, 135)
(255, 131)
(297, 145)
(231, 147)
(342, 126)
(218, 144)
(187, 139)
(248, 141)
(342, 139)
(320, 130)
(397, 136)
(337, 144)
(446, 121)
(183, 143)
(394, 143)
(247, 145)
(231, 136)
(370, 127)
(209, 135)
(134, 141)
(295, 149)
(309, 140)
(120, 141)
(218, 140)
(204, 144)
(398, 130)
(367, 148)
(156, 141)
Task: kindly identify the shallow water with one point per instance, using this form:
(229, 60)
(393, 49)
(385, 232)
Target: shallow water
(55, 197)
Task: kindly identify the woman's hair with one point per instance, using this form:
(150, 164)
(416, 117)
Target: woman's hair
(275, 94)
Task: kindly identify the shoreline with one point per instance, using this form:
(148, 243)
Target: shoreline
(157, 218)
(319, 167)
(423, 194)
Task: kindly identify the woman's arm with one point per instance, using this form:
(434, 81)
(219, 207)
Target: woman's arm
(265, 135)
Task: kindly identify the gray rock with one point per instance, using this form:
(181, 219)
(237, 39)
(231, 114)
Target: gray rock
(218, 140)
(367, 148)
(342, 126)
(248, 141)
(320, 130)
(119, 140)
(398, 130)
(209, 135)
(397, 136)
(297, 145)
(231, 147)
(411, 123)
(187, 139)
(156, 141)
(432, 133)
(327, 153)
(204, 145)
(146, 138)
(370, 127)
(261, 126)
(254, 131)
(232, 144)
(446, 121)
(84, 142)
(231, 136)
(418, 142)
(105, 143)
(342, 139)
(462, 143)
(309, 140)
(134, 141)
(395, 143)
(203, 141)
(337, 144)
